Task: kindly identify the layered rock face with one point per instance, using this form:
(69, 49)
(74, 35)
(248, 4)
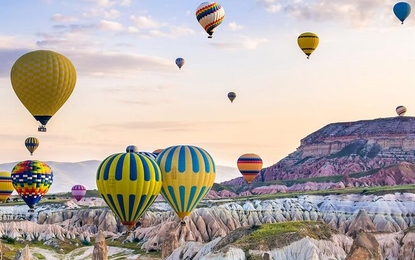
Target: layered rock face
(345, 148)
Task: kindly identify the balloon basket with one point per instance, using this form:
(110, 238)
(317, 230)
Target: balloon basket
(41, 129)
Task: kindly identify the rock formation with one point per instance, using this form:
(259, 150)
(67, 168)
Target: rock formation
(100, 248)
(365, 246)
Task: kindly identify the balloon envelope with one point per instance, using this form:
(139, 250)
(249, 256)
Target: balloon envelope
(6, 186)
(43, 81)
(157, 151)
(308, 42)
(180, 62)
(31, 144)
(231, 96)
(78, 191)
(188, 174)
(129, 183)
(249, 165)
(400, 110)
(31, 179)
(131, 149)
(402, 10)
(210, 15)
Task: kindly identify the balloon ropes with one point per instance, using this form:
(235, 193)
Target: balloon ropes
(188, 173)
(31, 179)
(180, 62)
(78, 191)
(308, 42)
(129, 183)
(400, 110)
(31, 144)
(6, 186)
(402, 11)
(43, 81)
(231, 96)
(210, 15)
(249, 165)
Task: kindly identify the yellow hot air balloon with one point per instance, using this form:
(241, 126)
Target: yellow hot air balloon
(249, 165)
(6, 186)
(308, 42)
(129, 183)
(31, 144)
(43, 80)
(188, 174)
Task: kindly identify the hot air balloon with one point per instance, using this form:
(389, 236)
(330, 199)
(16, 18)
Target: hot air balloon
(148, 154)
(43, 81)
(180, 62)
(31, 144)
(210, 15)
(249, 165)
(78, 191)
(308, 42)
(188, 173)
(31, 179)
(6, 186)
(231, 96)
(402, 10)
(157, 151)
(400, 110)
(129, 183)
(131, 149)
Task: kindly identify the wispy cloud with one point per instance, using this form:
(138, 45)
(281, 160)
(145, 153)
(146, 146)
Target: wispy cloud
(61, 18)
(247, 43)
(271, 6)
(145, 22)
(110, 26)
(233, 26)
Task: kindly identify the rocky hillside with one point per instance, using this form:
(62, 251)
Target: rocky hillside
(346, 148)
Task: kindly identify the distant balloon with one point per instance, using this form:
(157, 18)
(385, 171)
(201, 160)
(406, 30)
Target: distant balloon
(6, 186)
(249, 165)
(157, 151)
(180, 62)
(210, 15)
(402, 10)
(188, 173)
(401, 110)
(43, 81)
(31, 179)
(231, 96)
(149, 154)
(129, 183)
(78, 191)
(308, 42)
(31, 144)
(131, 149)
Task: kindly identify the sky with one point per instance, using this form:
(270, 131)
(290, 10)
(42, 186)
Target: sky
(130, 91)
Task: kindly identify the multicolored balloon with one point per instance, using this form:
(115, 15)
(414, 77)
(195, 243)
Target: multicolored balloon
(188, 173)
(210, 15)
(78, 191)
(131, 149)
(31, 144)
(402, 10)
(129, 183)
(400, 110)
(180, 62)
(6, 186)
(43, 81)
(148, 154)
(231, 96)
(249, 165)
(308, 42)
(31, 179)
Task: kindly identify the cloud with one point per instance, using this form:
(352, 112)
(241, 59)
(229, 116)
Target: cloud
(112, 14)
(110, 26)
(246, 43)
(233, 26)
(61, 18)
(270, 5)
(143, 22)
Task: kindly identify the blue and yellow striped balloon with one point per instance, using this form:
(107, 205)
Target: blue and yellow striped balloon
(129, 183)
(6, 186)
(31, 144)
(188, 174)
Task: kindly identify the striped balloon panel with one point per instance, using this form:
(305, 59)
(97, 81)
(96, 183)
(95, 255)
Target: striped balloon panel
(31, 144)
(31, 180)
(43, 80)
(210, 15)
(149, 154)
(249, 165)
(188, 174)
(129, 183)
(308, 42)
(78, 191)
(6, 186)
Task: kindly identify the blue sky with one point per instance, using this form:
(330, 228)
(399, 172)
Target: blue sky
(129, 90)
